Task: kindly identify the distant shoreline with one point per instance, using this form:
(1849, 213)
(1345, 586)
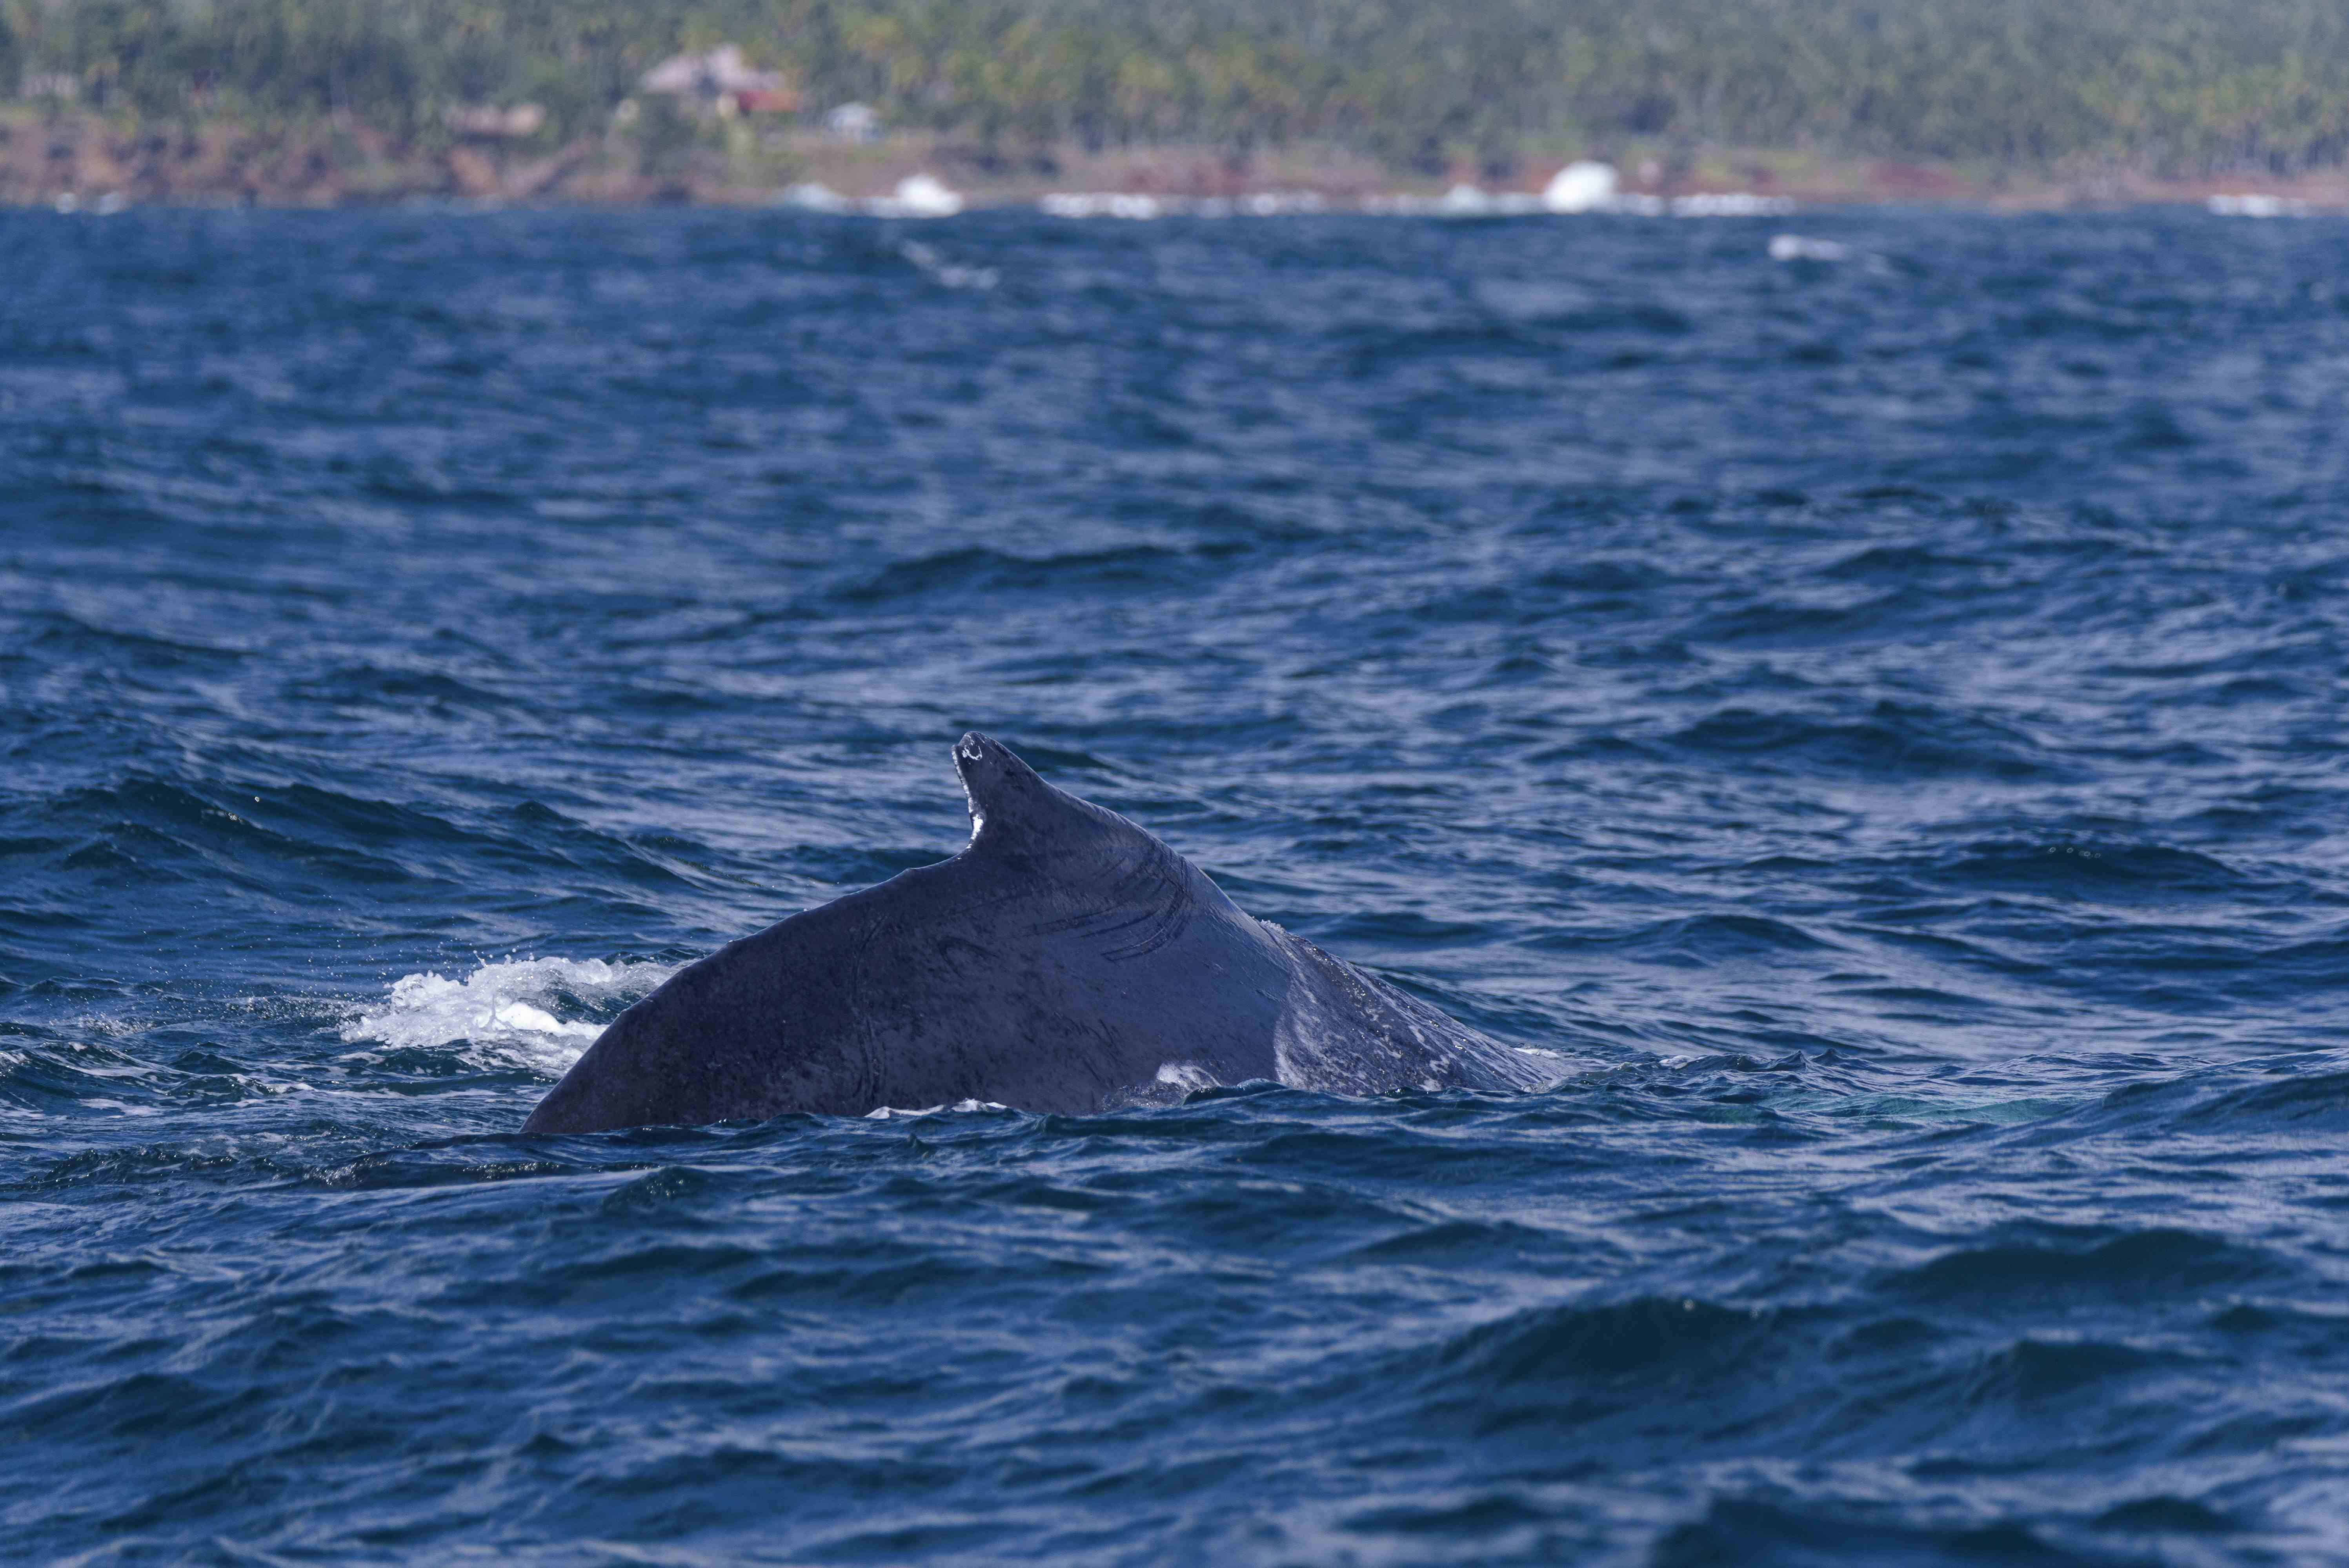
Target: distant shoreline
(87, 162)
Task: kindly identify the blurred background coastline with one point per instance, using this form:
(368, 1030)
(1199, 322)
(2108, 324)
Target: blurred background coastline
(1991, 102)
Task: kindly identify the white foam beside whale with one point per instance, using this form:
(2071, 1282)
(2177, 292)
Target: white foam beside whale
(504, 1012)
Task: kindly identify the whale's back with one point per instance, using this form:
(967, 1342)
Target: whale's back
(1064, 961)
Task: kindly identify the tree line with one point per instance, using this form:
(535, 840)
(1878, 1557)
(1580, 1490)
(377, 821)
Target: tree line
(2177, 85)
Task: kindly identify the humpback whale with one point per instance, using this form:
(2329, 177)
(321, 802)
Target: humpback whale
(1065, 961)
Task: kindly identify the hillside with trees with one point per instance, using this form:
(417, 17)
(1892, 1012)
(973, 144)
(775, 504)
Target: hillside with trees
(2169, 86)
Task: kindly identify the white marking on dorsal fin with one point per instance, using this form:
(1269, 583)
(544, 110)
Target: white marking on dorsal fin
(1008, 800)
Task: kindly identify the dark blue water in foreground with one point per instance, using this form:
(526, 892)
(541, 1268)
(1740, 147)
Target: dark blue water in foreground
(1879, 721)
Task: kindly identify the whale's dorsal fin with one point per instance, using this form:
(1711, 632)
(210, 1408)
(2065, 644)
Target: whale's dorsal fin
(1012, 808)
(1107, 884)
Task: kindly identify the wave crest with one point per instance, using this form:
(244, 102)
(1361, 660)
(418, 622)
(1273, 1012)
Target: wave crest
(537, 1012)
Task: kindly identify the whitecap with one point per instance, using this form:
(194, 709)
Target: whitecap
(1277, 203)
(507, 1012)
(1585, 186)
(1464, 202)
(917, 196)
(1802, 248)
(815, 197)
(1127, 204)
(2257, 204)
(1730, 204)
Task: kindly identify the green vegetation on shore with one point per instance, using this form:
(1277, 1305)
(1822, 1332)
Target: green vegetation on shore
(2173, 85)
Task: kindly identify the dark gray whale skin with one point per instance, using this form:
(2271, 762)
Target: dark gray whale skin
(1065, 961)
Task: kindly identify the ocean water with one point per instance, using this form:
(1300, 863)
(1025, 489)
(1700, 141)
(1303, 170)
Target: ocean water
(1873, 710)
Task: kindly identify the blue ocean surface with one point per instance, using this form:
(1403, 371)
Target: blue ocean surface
(1875, 717)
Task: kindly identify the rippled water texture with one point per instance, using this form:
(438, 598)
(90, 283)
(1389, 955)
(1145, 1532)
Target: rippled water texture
(1879, 720)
